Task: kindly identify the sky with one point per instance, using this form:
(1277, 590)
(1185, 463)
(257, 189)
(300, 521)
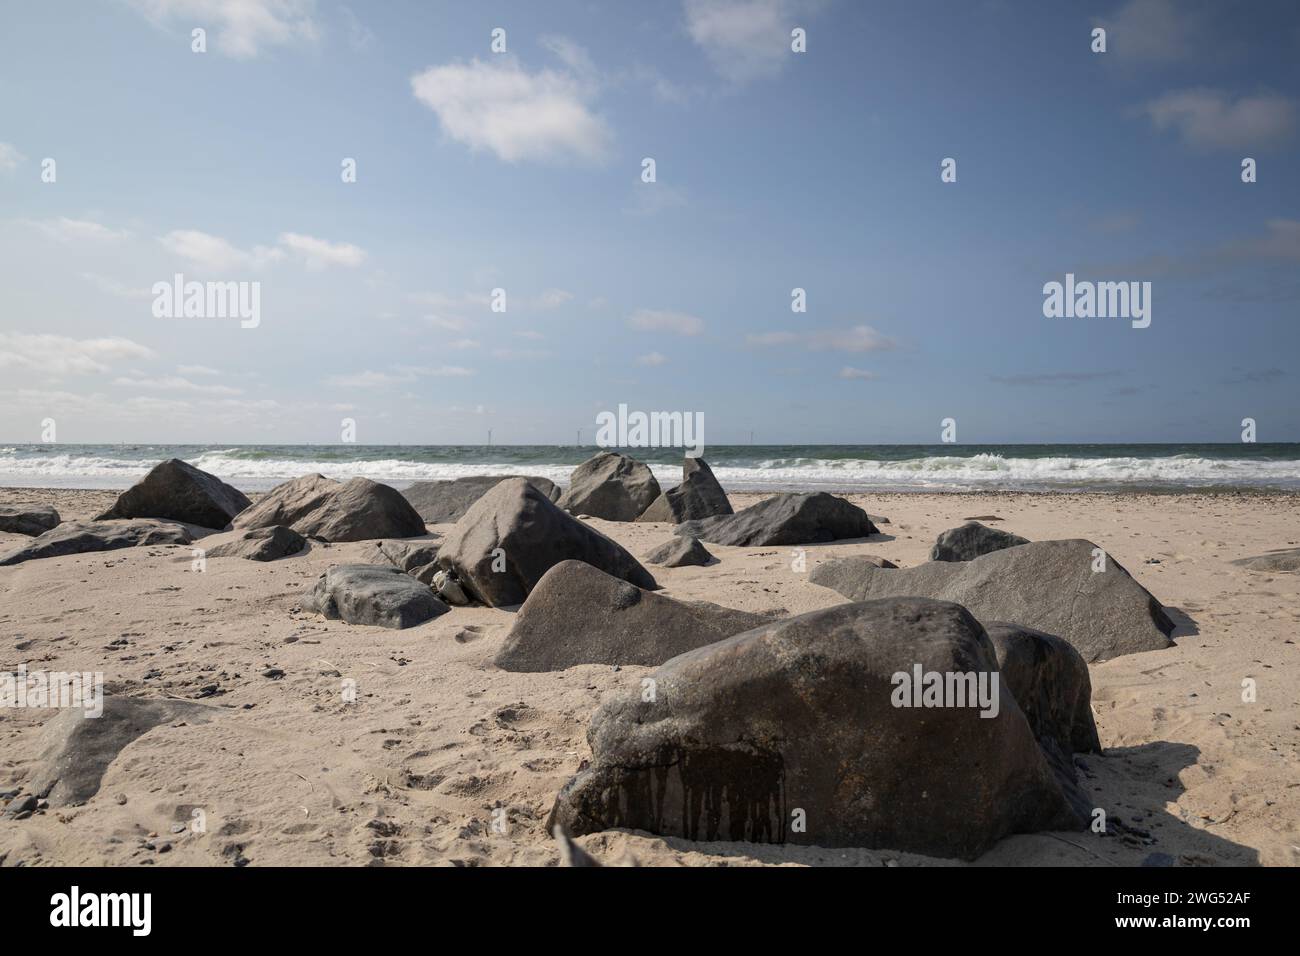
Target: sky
(486, 177)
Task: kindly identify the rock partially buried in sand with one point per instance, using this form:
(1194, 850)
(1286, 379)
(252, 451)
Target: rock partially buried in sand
(374, 594)
(443, 502)
(514, 534)
(321, 508)
(972, 540)
(407, 555)
(578, 615)
(799, 716)
(78, 748)
(680, 552)
(1287, 559)
(29, 521)
(610, 486)
(175, 490)
(1048, 585)
(811, 518)
(257, 544)
(79, 537)
(698, 496)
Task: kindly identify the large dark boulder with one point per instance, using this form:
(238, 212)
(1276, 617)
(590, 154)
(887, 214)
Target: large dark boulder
(610, 486)
(31, 521)
(680, 551)
(177, 491)
(324, 509)
(579, 615)
(798, 722)
(1047, 585)
(698, 496)
(373, 594)
(811, 518)
(78, 537)
(972, 540)
(513, 535)
(256, 544)
(1284, 559)
(442, 502)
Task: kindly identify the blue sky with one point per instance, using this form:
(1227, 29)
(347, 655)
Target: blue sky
(522, 171)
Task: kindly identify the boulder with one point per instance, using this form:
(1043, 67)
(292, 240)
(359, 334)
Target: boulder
(373, 594)
(803, 717)
(513, 535)
(698, 496)
(610, 486)
(811, 518)
(78, 537)
(321, 508)
(680, 551)
(407, 555)
(256, 544)
(579, 615)
(78, 748)
(1284, 559)
(177, 491)
(1047, 585)
(443, 502)
(972, 540)
(31, 521)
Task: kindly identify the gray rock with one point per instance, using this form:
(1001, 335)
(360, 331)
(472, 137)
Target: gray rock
(1285, 559)
(1047, 585)
(811, 518)
(513, 535)
(972, 540)
(321, 508)
(680, 551)
(407, 555)
(77, 749)
(31, 521)
(800, 715)
(78, 537)
(579, 615)
(698, 496)
(175, 490)
(256, 544)
(375, 594)
(610, 486)
(443, 502)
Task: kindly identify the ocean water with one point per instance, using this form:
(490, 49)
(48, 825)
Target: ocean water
(1274, 467)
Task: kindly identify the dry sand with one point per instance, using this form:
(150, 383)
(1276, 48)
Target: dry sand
(289, 773)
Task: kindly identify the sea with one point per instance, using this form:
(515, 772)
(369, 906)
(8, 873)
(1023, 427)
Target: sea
(844, 468)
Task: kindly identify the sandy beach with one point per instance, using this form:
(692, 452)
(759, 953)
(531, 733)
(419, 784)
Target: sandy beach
(287, 773)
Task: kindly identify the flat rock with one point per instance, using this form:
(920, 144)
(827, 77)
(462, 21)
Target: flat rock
(175, 490)
(256, 544)
(380, 595)
(812, 518)
(972, 540)
(407, 555)
(77, 749)
(579, 615)
(800, 714)
(514, 534)
(680, 551)
(443, 502)
(1287, 559)
(327, 510)
(698, 496)
(31, 521)
(1046, 585)
(610, 486)
(78, 537)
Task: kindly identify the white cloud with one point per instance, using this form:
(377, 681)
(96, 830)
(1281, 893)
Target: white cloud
(745, 40)
(1212, 118)
(850, 372)
(175, 383)
(401, 374)
(9, 157)
(196, 370)
(62, 229)
(113, 287)
(650, 360)
(319, 253)
(859, 338)
(216, 254)
(241, 28)
(61, 355)
(517, 115)
(1152, 30)
(651, 320)
(553, 299)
